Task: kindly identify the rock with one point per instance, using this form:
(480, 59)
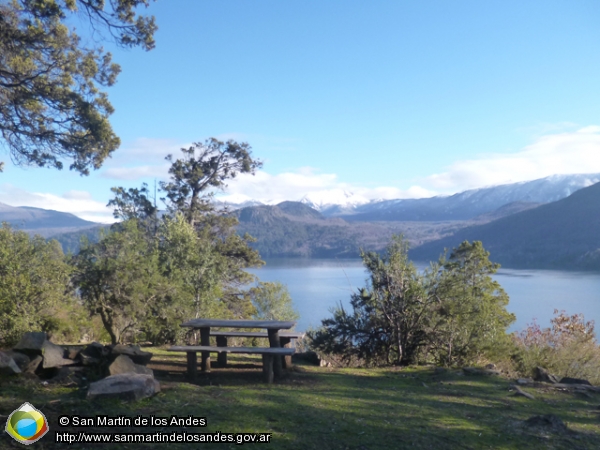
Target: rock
(541, 374)
(519, 391)
(569, 380)
(31, 343)
(69, 375)
(8, 365)
(34, 364)
(95, 350)
(490, 366)
(547, 421)
(323, 363)
(476, 371)
(126, 386)
(124, 364)
(54, 356)
(21, 359)
(524, 381)
(137, 355)
(72, 353)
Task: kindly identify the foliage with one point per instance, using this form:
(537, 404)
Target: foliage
(34, 279)
(205, 167)
(119, 279)
(51, 105)
(453, 313)
(471, 317)
(272, 301)
(568, 348)
(389, 317)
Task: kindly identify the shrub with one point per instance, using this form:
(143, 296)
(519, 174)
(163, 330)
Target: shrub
(568, 348)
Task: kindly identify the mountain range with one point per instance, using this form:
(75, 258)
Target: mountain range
(561, 234)
(549, 223)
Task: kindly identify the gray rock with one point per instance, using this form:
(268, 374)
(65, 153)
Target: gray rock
(68, 376)
(137, 355)
(31, 343)
(54, 356)
(524, 381)
(8, 365)
(569, 380)
(125, 386)
(95, 350)
(21, 359)
(34, 364)
(541, 374)
(124, 364)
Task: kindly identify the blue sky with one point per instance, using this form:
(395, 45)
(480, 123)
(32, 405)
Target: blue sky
(384, 99)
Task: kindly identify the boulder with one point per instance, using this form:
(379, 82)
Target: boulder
(124, 364)
(137, 355)
(569, 380)
(31, 343)
(54, 356)
(34, 364)
(125, 386)
(8, 365)
(21, 359)
(95, 350)
(541, 374)
(69, 375)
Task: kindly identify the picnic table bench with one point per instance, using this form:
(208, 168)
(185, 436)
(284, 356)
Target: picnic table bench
(272, 356)
(285, 339)
(268, 355)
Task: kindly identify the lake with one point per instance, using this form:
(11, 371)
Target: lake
(317, 285)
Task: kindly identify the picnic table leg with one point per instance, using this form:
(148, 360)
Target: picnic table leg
(274, 341)
(222, 357)
(268, 367)
(192, 365)
(287, 359)
(205, 340)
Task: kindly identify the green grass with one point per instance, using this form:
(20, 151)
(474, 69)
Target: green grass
(322, 408)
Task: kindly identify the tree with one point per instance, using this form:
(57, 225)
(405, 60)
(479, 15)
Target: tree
(389, 318)
(452, 313)
(51, 105)
(34, 280)
(272, 301)
(471, 314)
(205, 167)
(119, 278)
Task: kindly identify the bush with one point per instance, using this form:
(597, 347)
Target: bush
(454, 313)
(568, 348)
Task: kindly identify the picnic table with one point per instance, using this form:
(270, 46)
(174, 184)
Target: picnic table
(272, 355)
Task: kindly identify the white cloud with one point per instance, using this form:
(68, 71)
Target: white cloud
(306, 182)
(79, 203)
(560, 153)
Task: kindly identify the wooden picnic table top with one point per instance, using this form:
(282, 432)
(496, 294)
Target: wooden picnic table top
(268, 324)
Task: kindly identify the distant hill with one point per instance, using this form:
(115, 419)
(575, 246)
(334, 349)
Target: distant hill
(560, 235)
(468, 204)
(295, 229)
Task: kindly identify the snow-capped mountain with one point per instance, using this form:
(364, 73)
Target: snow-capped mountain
(469, 204)
(334, 202)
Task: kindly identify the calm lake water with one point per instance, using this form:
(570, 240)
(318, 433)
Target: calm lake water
(317, 285)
